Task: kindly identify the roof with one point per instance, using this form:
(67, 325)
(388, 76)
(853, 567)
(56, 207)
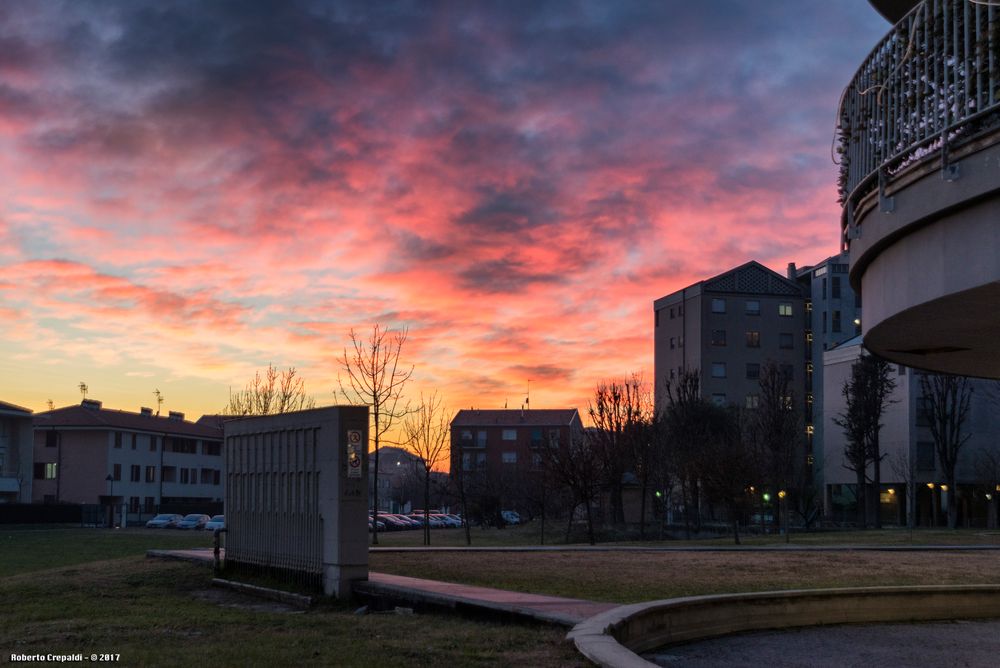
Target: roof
(11, 409)
(752, 278)
(90, 418)
(546, 417)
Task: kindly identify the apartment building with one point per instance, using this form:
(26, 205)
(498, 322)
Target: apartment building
(92, 455)
(15, 454)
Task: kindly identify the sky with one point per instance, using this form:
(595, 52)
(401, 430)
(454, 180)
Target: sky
(190, 191)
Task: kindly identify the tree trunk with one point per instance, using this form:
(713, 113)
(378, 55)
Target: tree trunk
(736, 527)
(375, 493)
(465, 507)
(569, 527)
(952, 503)
(861, 500)
(877, 487)
(590, 524)
(427, 505)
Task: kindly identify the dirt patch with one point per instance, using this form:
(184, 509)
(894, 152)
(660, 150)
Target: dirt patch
(230, 599)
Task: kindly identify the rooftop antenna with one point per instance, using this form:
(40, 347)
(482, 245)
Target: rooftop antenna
(527, 399)
(83, 389)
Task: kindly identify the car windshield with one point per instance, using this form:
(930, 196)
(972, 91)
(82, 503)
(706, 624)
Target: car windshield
(193, 517)
(219, 518)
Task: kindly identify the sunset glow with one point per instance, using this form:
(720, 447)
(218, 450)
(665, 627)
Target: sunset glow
(190, 191)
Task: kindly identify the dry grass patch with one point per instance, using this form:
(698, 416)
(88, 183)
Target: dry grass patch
(629, 577)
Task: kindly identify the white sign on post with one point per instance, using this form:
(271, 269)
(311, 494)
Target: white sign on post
(353, 453)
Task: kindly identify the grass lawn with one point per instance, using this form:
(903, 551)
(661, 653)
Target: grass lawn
(629, 577)
(530, 534)
(92, 590)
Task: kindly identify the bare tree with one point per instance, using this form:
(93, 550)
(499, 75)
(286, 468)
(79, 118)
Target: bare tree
(730, 463)
(777, 430)
(272, 393)
(905, 468)
(426, 430)
(945, 402)
(685, 431)
(867, 396)
(621, 413)
(987, 466)
(573, 466)
(376, 379)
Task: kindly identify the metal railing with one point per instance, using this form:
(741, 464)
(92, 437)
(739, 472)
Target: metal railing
(933, 81)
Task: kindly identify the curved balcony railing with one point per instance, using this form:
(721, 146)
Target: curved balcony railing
(932, 83)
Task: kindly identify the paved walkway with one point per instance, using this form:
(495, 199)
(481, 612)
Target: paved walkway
(551, 609)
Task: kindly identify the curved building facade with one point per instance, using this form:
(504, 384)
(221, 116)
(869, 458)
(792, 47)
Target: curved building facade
(919, 131)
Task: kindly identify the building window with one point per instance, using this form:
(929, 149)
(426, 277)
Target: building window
(216, 477)
(152, 443)
(169, 474)
(718, 370)
(51, 439)
(481, 438)
(824, 323)
(553, 438)
(118, 439)
(753, 339)
(671, 314)
(536, 438)
(466, 438)
(508, 457)
(213, 448)
(823, 290)
(719, 399)
(509, 434)
(836, 321)
(925, 455)
(45, 471)
(718, 306)
(184, 476)
(753, 401)
(672, 340)
(753, 371)
(718, 337)
(902, 370)
(785, 310)
(135, 437)
(116, 472)
(136, 473)
(51, 470)
(786, 340)
(753, 307)
(835, 288)
(150, 505)
(150, 474)
(133, 504)
(193, 479)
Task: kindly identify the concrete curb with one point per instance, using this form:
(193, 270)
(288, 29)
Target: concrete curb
(696, 548)
(615, 637)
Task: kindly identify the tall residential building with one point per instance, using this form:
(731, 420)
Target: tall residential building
(15, 454)
(89, 454)
(834, 316)
(726, 328)
(919, 141)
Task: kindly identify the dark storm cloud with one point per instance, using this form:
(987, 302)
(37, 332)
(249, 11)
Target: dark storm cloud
(506, 275)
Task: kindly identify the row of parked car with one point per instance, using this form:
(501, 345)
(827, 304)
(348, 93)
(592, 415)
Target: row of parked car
(192, 521)
(415, 520)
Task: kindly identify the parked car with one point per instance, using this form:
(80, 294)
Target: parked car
(510, 517)
(164, 521)
(193, 521)
(217, 522)
(449, 522)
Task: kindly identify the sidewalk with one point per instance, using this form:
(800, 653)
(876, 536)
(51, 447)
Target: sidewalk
(417, 591)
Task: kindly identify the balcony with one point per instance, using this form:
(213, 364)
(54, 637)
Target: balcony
(919, 150)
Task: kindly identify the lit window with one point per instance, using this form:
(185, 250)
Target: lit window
(50, 471)
(785, 309)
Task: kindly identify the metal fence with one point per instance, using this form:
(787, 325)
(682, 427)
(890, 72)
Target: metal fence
(932, 82)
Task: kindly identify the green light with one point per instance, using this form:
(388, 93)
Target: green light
(767, 496)
(659, 494)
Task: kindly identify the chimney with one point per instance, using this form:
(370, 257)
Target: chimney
(92, 404)
(176, 415)
(791, 271)
(148, 412)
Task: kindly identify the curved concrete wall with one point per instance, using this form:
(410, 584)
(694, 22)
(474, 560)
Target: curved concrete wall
(616, 637)
(928, 265)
